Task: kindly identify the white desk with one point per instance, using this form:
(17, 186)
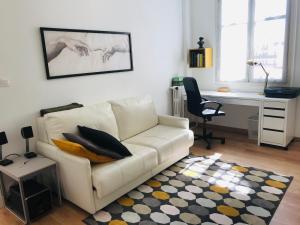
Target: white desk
(276, 125)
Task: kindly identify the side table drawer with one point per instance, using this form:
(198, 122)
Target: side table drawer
(274, 105)
(272, 112)
(273, 123)
(273, 137)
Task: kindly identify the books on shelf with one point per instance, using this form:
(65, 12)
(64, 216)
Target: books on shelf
(200, 58)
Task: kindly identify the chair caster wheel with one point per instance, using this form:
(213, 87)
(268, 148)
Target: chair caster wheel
(208, 147)
(223, 141)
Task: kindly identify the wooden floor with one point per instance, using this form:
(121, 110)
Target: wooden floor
(237, 149)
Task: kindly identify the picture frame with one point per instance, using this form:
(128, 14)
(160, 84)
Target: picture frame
(75, 52)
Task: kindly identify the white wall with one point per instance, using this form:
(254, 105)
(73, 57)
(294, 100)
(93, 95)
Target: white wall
(203, 16)
(156, 29)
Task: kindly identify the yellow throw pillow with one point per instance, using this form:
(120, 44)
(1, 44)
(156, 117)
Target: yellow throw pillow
(79, 150)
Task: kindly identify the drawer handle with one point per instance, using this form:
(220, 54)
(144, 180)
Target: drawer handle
(281, 131)
(280, 117)
(272, 108)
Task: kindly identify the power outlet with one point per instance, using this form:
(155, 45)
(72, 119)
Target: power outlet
(4, 83)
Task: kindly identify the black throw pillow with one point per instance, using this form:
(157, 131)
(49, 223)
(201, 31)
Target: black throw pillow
(91, 146)
(104, 140)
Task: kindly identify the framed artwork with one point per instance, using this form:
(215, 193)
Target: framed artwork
(69, 52)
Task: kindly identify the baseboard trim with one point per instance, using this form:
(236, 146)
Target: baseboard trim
(227, 129)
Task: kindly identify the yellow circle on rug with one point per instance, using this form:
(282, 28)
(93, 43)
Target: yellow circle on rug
(276, 184)
(154, 183)
(240, 169)
(228, 211)
(219, 189)
(126, 201)
(117, 222)
(160, 195)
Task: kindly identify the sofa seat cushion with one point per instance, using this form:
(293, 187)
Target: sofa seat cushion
(109, 177)
(165, 139)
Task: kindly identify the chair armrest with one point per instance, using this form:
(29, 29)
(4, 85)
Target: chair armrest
(212, 102)
(75, 175)
(173, 121)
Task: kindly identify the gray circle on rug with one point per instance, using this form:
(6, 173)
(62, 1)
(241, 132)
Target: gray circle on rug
(263, 203)
(198, 210)
(249, 183)
(152, 202)
(114, 208)
(90, 221)
(183, 178)
(147, 222)
(213, 167)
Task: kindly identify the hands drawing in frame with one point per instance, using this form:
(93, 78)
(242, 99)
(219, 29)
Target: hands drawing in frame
(82, 49)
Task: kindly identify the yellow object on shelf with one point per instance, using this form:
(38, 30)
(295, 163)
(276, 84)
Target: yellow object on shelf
(201, 58)
(223, 89)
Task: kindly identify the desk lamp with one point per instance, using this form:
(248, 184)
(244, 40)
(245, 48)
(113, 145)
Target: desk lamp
(3, 141)
(253, 62)
(27, 133)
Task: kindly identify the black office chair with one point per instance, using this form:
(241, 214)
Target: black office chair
(201, 107)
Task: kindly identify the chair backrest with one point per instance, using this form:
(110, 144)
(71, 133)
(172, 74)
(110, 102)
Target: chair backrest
(193, 95)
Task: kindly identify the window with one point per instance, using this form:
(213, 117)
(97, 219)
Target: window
(252, 29)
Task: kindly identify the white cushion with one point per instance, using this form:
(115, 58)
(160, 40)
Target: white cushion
(134, 115)
(109, 177)
(99, 116)
(166, 140)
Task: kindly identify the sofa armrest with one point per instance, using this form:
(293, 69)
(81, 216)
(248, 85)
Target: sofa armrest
(75, 175)
(173, 121)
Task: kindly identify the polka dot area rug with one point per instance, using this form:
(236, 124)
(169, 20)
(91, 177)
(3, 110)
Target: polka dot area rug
(199, 190)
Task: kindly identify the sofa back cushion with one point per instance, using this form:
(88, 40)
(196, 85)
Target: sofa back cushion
(134, 115)
(99, 116)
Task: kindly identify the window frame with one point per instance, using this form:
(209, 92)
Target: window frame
(250, 43)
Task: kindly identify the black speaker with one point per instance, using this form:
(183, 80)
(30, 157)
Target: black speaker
(27, 132)
(3, 138)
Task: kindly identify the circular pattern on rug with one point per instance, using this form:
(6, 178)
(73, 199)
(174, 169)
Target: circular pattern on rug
(135, 195)
(190, 218)
(240, 196)
(258, 211)
(252, 220)
(193, 189)
(213, 195)
(169, 189)
(263, 203)
(178, 202)
(160, 218)
(200, 183)
(272, 190)
(145, 188)
(102, 216)
(258, 173)
(228, 211)
(141, 209)
(131, 217)
(220, 219)
(160, 195)
(114, 208)
(117, 222)
(161, 178)
(199, 191)
(234, 203)
(170, 210)
(176, 183)
(151, 202)
(125, 201)
(206, 202)
(154, 183)
(268, 196)
(279, 178)
(186, 195)
(198, 210)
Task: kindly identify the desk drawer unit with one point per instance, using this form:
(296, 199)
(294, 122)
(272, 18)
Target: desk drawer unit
(274, 123)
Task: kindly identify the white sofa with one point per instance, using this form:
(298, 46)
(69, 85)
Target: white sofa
(155, 141)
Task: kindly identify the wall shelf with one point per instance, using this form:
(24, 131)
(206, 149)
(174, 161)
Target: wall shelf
(200, 58)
